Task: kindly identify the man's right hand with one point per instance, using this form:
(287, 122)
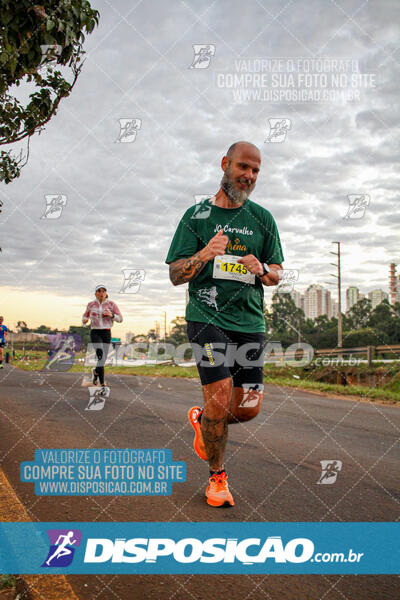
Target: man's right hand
(216, 245)
(187, 269)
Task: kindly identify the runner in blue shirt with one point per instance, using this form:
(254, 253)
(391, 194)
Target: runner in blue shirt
(3, 331)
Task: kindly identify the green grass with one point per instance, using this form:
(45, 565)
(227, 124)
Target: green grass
(7, 581)
(346, 390)
(37, 360)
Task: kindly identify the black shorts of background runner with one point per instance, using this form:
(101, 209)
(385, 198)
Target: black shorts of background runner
(209, 360)
(101, 339)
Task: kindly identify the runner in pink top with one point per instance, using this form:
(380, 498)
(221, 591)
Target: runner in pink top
(102, 313)
(97, 312)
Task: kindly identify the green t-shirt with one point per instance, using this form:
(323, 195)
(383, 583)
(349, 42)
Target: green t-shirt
(222, 294)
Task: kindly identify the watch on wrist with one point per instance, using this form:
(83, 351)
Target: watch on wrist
(266, 269)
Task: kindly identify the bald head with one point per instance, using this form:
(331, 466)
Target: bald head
(241, 165)
(248, 147)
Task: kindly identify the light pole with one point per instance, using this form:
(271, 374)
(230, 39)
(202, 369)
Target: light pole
(339, 291)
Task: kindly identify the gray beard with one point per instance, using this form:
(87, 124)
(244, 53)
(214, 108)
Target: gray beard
(235, 196)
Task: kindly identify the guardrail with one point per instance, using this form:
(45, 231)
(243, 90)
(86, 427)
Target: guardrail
(371, 353)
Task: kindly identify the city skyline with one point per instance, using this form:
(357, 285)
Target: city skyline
(121, 330)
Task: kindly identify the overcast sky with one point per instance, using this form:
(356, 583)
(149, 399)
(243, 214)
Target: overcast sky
(124, 200)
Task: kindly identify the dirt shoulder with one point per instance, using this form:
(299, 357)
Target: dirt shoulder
(29, 587)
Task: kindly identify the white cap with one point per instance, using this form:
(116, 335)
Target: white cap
(98, 287)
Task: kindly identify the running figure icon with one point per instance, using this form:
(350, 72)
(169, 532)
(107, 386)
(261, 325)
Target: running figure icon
(62, 549)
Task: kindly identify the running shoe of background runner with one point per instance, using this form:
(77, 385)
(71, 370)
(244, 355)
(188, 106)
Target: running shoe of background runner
(217, 491)
(198, 442)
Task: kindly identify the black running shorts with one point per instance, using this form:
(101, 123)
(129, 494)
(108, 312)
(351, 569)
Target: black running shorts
(220, 354)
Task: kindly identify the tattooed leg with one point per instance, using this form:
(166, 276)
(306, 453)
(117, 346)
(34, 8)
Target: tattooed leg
(244, 406)
(214, 421)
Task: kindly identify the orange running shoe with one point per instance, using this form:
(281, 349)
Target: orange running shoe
(198, 442)
(217, 491)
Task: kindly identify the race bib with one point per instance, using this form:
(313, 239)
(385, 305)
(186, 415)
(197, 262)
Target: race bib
(227, 267)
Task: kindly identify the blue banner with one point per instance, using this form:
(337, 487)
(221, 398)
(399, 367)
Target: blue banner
(103, 472)
(213, 548)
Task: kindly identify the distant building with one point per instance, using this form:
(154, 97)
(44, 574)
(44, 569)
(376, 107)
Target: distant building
(352, 297)
(298, 299)
(377, 296)
(393, 283)
(317, 302)
(128, 337)
(328, 304)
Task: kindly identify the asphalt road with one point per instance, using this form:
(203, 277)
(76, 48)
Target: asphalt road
(273, 464)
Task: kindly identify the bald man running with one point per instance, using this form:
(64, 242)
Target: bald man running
(227, 248)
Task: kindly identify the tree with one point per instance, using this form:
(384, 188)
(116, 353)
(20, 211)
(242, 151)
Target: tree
(81, 330)
(366, 336)
(284, 319)
(152, 335)
(34, 38)
(358, 315)
(178, 334)
(382, 320)
(139, 337)
(22, 327)
(395, 334)
(322, 322)
(44, 329)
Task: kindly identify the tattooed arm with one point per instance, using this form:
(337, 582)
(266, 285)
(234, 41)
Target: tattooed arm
(187, 269)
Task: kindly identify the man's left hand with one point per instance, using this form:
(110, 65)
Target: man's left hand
(252, 264)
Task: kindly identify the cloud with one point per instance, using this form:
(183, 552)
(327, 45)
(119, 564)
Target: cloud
(125, 200)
